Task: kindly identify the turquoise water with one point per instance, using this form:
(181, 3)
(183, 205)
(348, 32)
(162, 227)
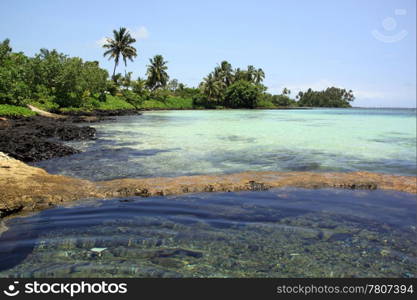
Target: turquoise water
(275, 233)
(173, 143)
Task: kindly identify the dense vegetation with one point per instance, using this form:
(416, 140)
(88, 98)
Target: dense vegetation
(55, 81)
(331, 97)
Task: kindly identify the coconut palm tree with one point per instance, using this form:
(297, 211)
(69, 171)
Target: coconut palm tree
(211, 87)
(250, 73)
(157, 75)
(259, 76)
(226, 72)
(120, 44)
(139, 86)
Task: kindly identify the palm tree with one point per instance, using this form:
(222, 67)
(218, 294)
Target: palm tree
(226, 72)
(259, 76)
(120, 44)
(250, 73)
(127, 80)
(157, 75)
(211, 87)
(139, 86)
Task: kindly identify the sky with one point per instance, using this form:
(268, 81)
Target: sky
(367, 46)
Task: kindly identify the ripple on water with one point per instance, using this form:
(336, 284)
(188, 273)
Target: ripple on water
(275, 233)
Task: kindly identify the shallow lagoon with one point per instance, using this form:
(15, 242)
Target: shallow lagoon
(174, 143)
(275, 233)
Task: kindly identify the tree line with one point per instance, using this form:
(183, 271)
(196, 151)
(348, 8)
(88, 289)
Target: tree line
(56, 80)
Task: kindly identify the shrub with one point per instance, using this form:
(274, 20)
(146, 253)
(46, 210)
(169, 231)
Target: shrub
(242, 94)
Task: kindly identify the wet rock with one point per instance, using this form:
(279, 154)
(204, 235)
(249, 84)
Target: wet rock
(167, 262)
(27, 188)
(340, 237)
(178, 252)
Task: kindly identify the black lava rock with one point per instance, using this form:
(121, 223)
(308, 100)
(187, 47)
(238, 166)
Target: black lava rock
(38, 138)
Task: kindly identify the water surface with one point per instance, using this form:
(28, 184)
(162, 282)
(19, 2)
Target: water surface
(275, 233)
(174, 143)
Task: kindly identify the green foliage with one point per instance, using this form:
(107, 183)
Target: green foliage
(331, 97)
(216, 87)
(170, 103)
(282, 100)
(186, 92)
(160, 95)
(202, 101)
(242, 94)
(16, 77)
(114, 102)
(12, 110)
(50, 78)
(265, 101)
(157, 75)
(112, 87)
(132, 98)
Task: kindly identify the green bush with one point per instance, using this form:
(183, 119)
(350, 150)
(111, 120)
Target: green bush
(49, 77)
(330, 97)
(242, 94)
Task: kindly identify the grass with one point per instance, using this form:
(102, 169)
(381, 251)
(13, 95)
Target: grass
(114, 102)
(111, 103)
(11, 110)
(170, 103)
(117, 102)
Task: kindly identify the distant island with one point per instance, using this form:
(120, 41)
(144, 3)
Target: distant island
(55, 82)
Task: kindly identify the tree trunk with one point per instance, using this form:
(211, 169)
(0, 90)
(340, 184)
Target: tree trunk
(114, 71)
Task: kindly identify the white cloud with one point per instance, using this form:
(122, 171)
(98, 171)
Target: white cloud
(140, 33)
(364, 94)
(101, 41)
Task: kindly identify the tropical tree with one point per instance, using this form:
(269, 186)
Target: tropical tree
(139, 86)
(127, 80)
(157, 72)
(258, 76)
(286, 91)
(225, 73)
(250, 73)
(120, 45)
(173, 85)
(242, 94)
(211, 87)
(5, 49)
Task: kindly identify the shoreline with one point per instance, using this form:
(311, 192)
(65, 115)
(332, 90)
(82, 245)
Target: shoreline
(26, 189)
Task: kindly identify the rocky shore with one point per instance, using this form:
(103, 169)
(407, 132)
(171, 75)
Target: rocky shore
(36, 138)
(24, 188)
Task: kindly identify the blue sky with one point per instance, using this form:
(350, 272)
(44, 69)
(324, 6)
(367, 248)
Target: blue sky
(367, 46)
